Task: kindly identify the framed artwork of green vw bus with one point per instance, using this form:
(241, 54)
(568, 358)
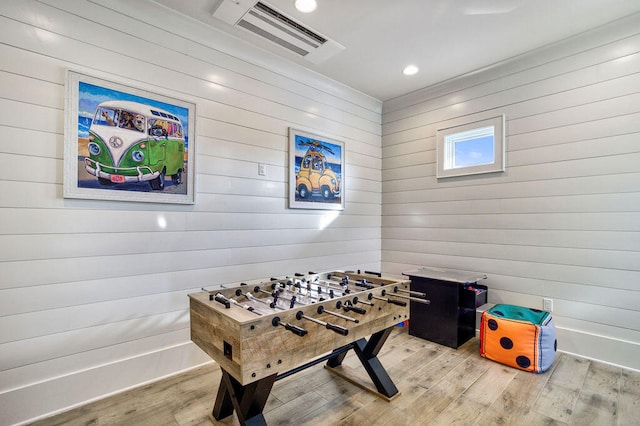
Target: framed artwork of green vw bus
(125, 143)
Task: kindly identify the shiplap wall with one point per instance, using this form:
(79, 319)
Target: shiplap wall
(563, 220)
(93, 294)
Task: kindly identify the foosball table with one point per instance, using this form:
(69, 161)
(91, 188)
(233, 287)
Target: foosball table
(263, 331)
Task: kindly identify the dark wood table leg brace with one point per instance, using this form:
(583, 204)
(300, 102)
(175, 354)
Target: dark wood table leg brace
(248, 401)
(367, 352)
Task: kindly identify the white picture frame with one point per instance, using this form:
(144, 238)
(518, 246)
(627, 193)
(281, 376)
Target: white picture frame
(141, 147)
(316, 171)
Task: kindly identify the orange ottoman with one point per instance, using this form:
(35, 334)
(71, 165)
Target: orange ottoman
(520, 337)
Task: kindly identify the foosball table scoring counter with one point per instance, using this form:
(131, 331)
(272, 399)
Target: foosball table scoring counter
(266, 330)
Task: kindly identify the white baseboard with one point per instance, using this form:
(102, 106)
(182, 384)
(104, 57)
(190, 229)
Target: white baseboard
(40, 400)
(616, 352)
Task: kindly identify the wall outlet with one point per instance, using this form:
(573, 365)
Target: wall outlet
(547, 304)
(262, 169)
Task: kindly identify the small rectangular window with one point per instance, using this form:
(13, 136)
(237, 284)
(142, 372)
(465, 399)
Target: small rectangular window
(471, 148)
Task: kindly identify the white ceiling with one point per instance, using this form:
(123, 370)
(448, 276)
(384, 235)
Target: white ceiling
(444, 38)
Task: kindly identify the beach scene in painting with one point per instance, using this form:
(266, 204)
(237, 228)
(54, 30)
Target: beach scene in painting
(131, 143)
(318, 170)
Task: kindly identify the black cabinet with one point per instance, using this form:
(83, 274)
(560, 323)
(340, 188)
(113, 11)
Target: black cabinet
(450, 318)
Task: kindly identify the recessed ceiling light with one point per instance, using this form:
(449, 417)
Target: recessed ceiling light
(410, 70)
(305, 6)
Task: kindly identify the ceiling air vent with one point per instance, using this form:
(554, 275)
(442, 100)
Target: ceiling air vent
(267, 22)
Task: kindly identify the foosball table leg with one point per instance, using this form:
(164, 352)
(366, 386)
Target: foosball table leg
(336, 360)
(248, 401)
(367, 352)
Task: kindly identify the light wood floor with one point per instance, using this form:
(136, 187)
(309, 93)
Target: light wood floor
(438, 386)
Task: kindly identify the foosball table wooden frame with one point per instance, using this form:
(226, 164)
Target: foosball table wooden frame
(263, 331)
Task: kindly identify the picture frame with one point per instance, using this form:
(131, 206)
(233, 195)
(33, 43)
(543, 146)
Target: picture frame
(125, 143)
(471, 148)
(316, 171)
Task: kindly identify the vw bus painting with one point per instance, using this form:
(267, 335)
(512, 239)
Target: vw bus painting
(317, 163)
(131, 144)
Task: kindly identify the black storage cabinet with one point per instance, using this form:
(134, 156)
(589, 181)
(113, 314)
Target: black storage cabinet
(450, 318)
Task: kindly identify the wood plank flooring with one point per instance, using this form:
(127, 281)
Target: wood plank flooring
(438, 386)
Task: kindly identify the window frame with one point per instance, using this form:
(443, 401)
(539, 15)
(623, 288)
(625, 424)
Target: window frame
(442, 147)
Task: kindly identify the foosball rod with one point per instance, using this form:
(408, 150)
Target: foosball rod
(330, 289)
(279, 286)
(276, 296)
(319, 290)
(330, 284)
(308, 290)
(386, 299)
(227, 301)
(359, 286)
(315, 280)
(369, 285)
(257, 289)
(412, 299)
(331, 293)
(333, 327)
(299, 294)
(355, 284)
(257, 299)
(303, 278)
(366, 302)
(396, 289)
(322, 310)
(286, 288)
(347, 306)
(347, 287)
(221, 297)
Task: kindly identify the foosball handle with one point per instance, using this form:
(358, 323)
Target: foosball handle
(292, 328)
(295, 329)
(221, 299)
(355, 309)
(395, 302)
(338, 329)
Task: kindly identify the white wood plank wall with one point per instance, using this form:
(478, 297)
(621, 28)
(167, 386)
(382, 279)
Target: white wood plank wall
(563, 221)
(93, 294)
